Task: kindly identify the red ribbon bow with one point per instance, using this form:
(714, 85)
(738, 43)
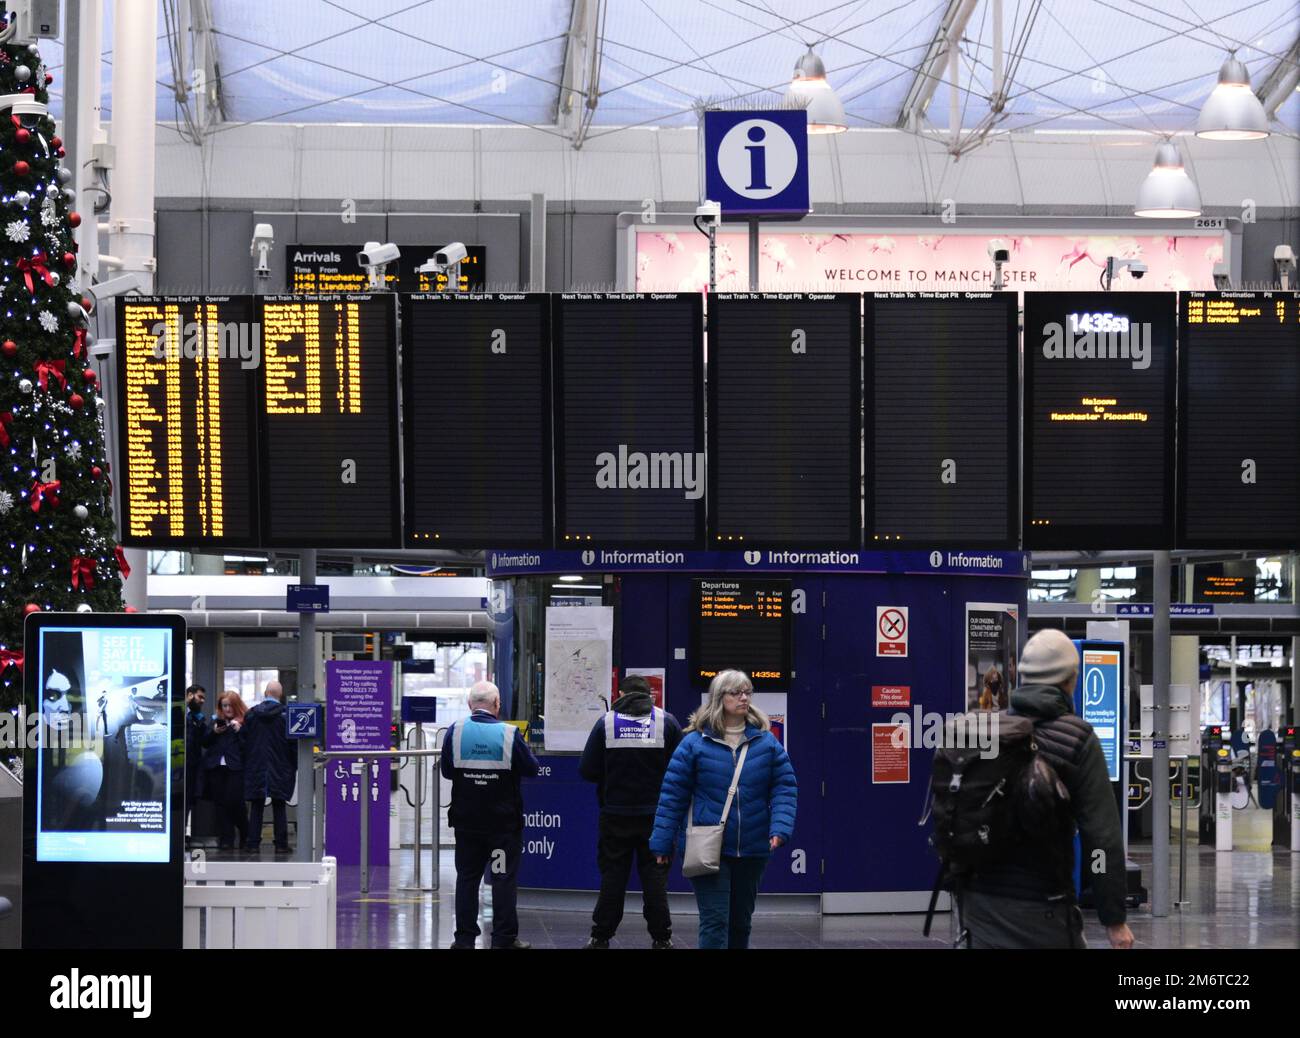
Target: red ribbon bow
(35, 264)
(5, 419)
(41, 491)
(10, 658)
(47, 369)
(121, 562)
(78, 343)
(83, 571)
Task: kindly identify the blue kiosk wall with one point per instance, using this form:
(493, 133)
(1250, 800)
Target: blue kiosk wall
(856, 843)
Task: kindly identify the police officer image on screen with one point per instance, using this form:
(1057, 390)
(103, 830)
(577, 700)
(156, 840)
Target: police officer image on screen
(626, 755)
(137, 754)
(485, 758)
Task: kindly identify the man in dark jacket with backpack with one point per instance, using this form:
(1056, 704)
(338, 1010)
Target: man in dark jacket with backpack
(1025, 899)
(626, 756)
(270, 768)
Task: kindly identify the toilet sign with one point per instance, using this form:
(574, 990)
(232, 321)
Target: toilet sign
(891, 630)
(756, 163)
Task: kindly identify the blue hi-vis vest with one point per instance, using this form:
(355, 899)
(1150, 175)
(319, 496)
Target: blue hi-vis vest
(482, 745)
(634, 733)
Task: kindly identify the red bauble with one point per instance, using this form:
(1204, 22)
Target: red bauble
(129, 609)
(89, 375)
(56, 142)
(49, 78)
(76, 401)
(69, 259)
(96, 472)
(31, 607)
(61, 153)
(22, 169)
(73, 218)
(9, 348)
(87, 303)
(22, 135)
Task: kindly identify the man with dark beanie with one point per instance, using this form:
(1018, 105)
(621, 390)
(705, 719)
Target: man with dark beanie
(1026, 900)
(626, 756)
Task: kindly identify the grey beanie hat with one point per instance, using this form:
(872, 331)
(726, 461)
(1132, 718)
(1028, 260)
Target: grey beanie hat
(1049, 658)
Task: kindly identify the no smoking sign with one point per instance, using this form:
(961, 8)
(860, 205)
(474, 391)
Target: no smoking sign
(891, 630)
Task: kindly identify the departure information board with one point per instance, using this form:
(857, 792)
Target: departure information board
(944, 419)
(741, 625)
(476, 419)
(328, 408)
(784, 420)
(185, 380)
(1099, 420)
(629, 422)
(1239, 420)
(324, 269)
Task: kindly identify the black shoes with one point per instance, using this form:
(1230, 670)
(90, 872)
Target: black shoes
(516, 945)
(668, 943)
(597, 942)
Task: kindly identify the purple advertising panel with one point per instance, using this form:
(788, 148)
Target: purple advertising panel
(358, 710)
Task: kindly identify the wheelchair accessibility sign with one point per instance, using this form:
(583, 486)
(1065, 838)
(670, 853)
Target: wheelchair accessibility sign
(756, 163)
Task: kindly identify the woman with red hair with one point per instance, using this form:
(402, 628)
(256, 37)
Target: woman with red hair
(223, 768)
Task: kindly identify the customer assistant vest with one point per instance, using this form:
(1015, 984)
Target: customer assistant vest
(623, 732)
(485, 793)
(483, 746)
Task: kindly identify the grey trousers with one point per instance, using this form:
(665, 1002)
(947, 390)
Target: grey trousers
(1006, 922)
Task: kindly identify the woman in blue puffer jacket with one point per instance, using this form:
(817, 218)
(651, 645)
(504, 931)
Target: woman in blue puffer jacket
(762, 812)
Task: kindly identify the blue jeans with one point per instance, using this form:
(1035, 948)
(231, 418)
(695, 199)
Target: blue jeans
(726, 902)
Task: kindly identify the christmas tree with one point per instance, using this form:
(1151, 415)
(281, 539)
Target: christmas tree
(58, 550)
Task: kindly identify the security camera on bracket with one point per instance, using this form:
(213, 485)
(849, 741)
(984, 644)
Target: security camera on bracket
(375, 258)
(1284, 264)
(999, 254)
(446, 261)
(1113, 266)
(260, 248)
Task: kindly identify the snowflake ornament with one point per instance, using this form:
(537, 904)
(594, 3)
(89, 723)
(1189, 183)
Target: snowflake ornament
(18, 231)
(74, 450)
(48, 321)
(6, 502)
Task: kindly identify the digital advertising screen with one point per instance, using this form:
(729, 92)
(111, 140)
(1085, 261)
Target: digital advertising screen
(328, 269)
(1100, 379)
(785, 420)
(629, 419)
(104, 779)
(185, 369)
(328, 422)
(1238, 420)
(943, 419)
(741, 624)
(477, 420)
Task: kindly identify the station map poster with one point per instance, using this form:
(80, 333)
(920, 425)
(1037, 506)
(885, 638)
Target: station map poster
(1099, 420)
(629, 420)
(944, 413)
(476, 408)
(328, 422)
(1238, 420)
(579, 654)
(784, 421)
(741, 624)
(328, 269)
(992, 644)
(185, 370)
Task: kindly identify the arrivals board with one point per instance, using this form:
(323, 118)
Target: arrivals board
(185, 369)
(629, 419)
(476, 417)
(328, 422)
(741, 624)
(784, 420)
(1239, 421)
(943, 411)
(1100, 376)
(325, 269)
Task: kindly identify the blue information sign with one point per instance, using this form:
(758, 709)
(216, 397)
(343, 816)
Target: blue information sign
(1097, 697)
(756, 163)
(307, 598)
(302, 720)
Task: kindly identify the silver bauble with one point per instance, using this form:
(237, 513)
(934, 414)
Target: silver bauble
(69, 195)
(81, 511)
(84, 607)
(22, 73)
(23, 198)
(54, 278)
(64, 174)
(25, 385)
(75, 311)
(33, 49)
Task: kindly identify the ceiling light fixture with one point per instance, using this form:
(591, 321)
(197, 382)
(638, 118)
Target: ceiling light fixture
(1232, 112)
(809, 86)
(1168, 192)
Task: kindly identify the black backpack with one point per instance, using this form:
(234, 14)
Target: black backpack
(983, 806)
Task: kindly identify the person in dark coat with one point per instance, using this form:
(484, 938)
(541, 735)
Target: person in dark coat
(626, 755)
(485, 759)
(1027, 899)
(270, 768)
(223, 768)
(196, 727)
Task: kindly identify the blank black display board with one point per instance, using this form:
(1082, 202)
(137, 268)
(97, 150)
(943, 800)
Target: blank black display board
(784, 420)
(943, 413)
(741, 624)
(1099, 420)
(476, 418)
(629, 419)
(1239, 420)
(328, 422)
(185, 376)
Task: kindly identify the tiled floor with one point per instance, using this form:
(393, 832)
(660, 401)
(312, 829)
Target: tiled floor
(1240, 900)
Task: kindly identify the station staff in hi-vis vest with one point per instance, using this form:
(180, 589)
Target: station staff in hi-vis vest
(626, 755)
(485, 758)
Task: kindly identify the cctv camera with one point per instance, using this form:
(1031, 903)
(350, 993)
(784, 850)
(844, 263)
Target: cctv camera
(1137, 268)
(450, 254)
(998, 251)
(263, 233)
(1222, 276)
(375, 255)
(260, 248)
(709, 213)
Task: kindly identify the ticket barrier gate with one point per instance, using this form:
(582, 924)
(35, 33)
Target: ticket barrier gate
(1286, 808)
(1214, 751)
